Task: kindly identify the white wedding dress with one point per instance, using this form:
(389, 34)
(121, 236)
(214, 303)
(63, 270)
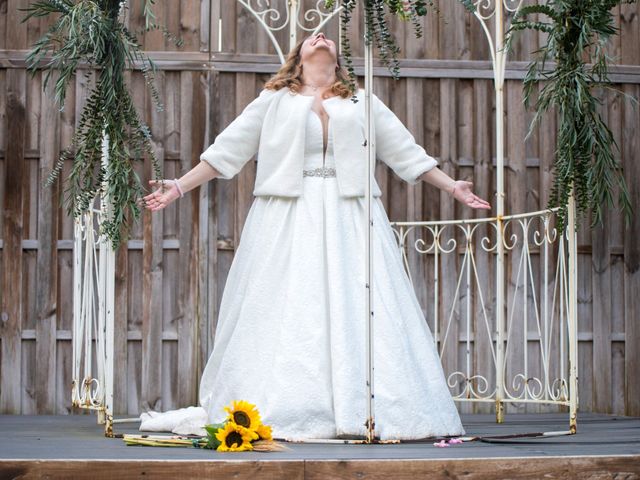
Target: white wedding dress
(291, 333)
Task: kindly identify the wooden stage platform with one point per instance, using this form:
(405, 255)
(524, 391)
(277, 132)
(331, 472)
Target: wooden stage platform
(606, 446)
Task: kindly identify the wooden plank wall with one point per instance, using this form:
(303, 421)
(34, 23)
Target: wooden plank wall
(170, 278)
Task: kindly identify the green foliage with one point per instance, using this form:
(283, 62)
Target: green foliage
(577, 33)
(345, 17)
(470, 5)
(212, 430)
(378, 32)
(90, 32)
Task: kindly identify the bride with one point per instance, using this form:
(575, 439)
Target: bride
(291, 335)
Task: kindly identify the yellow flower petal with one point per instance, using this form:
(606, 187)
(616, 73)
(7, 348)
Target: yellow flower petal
(235, 438)
(244, 414)
(264, 431)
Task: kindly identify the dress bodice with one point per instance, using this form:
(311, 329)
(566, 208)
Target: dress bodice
(313, 150)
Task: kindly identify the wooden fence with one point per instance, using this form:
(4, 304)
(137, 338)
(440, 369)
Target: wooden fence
(171, 276)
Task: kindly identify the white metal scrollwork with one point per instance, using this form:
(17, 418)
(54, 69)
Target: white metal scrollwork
(527, 237)
(272, 20)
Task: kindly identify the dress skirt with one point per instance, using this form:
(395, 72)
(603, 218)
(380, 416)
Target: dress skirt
(291, 334)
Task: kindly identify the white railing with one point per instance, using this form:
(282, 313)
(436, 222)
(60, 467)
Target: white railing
(539, 311)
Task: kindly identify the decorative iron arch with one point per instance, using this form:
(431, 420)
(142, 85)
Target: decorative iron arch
(94, 273)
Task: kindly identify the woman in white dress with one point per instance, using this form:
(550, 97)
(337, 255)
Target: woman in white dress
(291, 328)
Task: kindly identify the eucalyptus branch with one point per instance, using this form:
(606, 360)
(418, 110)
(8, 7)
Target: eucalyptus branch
(378, 32)
(585, 161)
(91, 34)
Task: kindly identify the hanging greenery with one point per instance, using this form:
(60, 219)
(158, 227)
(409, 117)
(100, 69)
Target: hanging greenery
(91, 32)
(585, 162)
(378, 32)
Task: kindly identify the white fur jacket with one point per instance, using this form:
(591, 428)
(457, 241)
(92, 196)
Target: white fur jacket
(273, 126)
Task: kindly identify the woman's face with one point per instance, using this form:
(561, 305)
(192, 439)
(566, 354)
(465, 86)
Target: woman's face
(318, 47)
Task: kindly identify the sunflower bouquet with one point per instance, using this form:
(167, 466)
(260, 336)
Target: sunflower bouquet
(241, 429)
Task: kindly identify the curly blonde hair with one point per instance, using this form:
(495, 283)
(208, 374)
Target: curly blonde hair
(290, 75)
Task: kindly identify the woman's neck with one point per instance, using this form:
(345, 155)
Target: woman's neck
(317, 74)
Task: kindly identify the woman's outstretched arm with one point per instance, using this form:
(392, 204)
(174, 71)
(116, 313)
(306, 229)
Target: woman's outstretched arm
(224, 158)
(170, 191)
(460, 189)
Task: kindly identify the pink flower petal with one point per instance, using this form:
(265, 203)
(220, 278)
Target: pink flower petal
(441, 443)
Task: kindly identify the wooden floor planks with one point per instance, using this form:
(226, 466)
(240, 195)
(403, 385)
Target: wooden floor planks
(605, 446)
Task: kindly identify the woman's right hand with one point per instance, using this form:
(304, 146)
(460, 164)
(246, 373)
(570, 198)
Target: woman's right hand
(166, 193)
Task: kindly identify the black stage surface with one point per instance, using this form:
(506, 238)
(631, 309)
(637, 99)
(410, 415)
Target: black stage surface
(605, 446)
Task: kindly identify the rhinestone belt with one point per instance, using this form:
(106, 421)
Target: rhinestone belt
(320, 172)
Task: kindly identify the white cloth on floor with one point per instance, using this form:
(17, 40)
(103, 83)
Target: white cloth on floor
(183, 421)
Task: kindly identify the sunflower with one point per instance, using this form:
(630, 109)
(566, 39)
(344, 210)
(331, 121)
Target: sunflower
(264, 431)
(244, 414)
(235, 438)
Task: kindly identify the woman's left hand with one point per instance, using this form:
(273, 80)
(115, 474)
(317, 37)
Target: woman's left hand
(462, 192)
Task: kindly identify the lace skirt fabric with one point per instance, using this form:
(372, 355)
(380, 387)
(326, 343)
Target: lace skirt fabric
(291, 335)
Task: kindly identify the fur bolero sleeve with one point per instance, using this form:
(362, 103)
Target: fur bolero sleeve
(273, 127)
(396, 146)
(239, 141)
